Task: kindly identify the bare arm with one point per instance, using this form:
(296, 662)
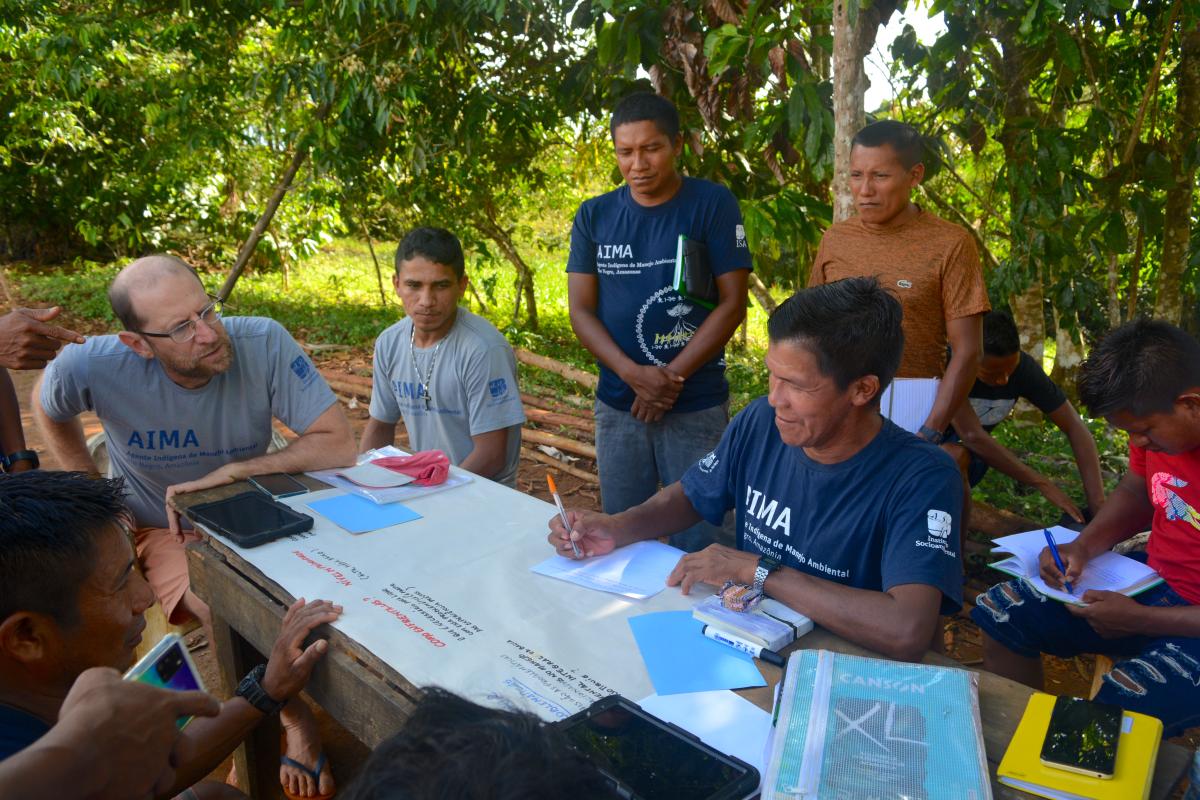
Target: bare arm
(667, 512)
(491, 451)
(980, 442)
(12, 437)
(64, 439)
(1083, 445)
(377, 434)
(327, 443)
(965, 336)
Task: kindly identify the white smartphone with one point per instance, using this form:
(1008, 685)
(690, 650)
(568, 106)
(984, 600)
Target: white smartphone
(168, 666)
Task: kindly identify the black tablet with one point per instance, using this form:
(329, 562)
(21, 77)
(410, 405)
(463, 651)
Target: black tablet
(648, 759)
(250, 518)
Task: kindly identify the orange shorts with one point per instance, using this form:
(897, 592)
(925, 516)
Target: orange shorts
(164, 566)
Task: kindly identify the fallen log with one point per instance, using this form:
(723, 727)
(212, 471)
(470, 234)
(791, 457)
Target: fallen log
(349, 389)
(346, 377)
(538, 401)
(583, 475)
(561, 442)
(557, 367)
(543, 417)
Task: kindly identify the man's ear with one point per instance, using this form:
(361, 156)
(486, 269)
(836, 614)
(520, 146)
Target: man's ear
(27, 637)
(865, 390)
(1189, 402)
(136, 343)
(917, 174)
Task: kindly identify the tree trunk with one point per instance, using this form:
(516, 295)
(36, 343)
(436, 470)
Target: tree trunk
(1177, 222)
(852, 40)
(1068, 355)
(378, 269)
(1029, 315)
(486, 222)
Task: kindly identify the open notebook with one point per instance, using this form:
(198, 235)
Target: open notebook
(1109, 571)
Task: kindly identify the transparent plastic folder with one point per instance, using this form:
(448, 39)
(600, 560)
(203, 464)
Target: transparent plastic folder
(852, 727)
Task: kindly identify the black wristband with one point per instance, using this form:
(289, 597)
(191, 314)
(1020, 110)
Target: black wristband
(930, 435)
(21, 455)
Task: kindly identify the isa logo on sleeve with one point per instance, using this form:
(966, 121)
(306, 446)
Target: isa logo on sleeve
(304, 370)
(498, 387)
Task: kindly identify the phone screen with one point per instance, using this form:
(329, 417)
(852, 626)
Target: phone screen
(170, 669)
(650, 759)
(1083, 736)
(279, 484)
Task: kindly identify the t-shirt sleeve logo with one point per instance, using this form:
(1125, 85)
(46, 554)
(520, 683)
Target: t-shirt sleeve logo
(739, 232)
(498, 387)
(709, 463)
(303, 370)
(939, 523)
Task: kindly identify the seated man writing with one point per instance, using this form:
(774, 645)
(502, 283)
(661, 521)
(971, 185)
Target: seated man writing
(186, 399)
(840, 514)
(71, 599)
(1144, 378)
(1006, 375)
(448, 373)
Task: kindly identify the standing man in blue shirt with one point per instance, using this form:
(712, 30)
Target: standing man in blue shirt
(841, 514)
(662, 400)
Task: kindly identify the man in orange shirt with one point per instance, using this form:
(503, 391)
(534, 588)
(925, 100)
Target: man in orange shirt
(931, 265)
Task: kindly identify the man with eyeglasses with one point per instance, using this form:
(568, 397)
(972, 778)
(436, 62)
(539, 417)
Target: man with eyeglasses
(187, 399)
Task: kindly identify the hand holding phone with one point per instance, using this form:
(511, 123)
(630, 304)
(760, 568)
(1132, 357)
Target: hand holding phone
(168, 666)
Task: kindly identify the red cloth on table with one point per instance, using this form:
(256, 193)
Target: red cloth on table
(428, 467)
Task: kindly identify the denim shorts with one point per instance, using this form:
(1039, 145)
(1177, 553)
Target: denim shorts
(1159, 676)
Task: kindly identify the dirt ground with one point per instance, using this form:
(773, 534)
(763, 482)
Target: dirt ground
(961, 636)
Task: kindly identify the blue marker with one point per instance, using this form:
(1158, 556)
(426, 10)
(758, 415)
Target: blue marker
(1057, 559)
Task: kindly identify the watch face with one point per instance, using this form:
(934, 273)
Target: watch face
(769, 563)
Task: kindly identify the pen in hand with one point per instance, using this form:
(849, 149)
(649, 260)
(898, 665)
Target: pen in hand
(1058, 562)
(562, 513)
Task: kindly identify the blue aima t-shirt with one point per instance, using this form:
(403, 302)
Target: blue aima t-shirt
(631, 249)
(886, 516)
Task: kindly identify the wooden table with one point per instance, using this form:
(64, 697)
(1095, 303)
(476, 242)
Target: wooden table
(371, 700)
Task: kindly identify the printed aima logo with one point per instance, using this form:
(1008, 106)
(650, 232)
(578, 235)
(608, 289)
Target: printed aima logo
(904, 283)
(300, 367)
(663, 321)
(408, 390)
(497, 387)
(939, 523)
(771, 514)
(709, 462)
(606, 252)
(739, 232)
(161, 440)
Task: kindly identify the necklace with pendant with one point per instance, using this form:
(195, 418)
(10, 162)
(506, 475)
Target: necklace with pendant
(428, 376)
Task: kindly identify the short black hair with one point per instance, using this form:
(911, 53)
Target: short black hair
(436, 244)
(1140, 368)
(902, 138)
(852, 326)
(646, 106)
(49, 522)
(453, 748)
(1000, 336)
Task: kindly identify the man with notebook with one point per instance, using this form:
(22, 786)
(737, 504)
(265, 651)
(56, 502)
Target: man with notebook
(840, 514)
(448, 373)
(662, 399)
(931, 265)
(1144, 378)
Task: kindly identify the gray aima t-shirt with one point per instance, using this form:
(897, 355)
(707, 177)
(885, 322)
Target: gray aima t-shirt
(160, 433)
(473, 389)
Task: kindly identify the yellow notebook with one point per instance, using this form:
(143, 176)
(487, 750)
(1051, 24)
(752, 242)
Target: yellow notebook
(1137, 750)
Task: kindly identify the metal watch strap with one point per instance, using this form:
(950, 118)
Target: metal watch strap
(765, 567)
(252, 691)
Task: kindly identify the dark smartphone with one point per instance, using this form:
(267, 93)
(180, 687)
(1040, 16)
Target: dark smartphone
(250, 518)
(1082, 737)
(278, 484)
(168, 666)
(645, 758)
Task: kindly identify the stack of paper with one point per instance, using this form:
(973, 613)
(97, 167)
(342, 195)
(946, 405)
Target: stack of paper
(639, 570)
(1108, 571)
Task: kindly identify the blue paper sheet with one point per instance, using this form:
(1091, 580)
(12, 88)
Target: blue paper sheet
(681, 659)
(359, 515)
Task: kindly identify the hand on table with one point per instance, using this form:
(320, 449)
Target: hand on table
(1111, 614)
(291, 663)
(1074, 559)
(27, 341)
(593, 533)
(218, 477)
(713, 565)
(129, 728)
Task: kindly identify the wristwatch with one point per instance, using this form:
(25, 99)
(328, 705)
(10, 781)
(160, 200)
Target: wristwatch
(931, 435)
(766, 565)
(6, 461)
(251, 689)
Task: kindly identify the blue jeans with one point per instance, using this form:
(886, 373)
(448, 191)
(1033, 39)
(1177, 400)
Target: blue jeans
(1159, 676)
(635, 457)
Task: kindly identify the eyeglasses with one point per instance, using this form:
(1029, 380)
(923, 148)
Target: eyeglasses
(186, 331)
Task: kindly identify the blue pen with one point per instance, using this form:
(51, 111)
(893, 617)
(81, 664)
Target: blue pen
(1057, 559)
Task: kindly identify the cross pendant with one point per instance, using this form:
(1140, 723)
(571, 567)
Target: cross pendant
(426, 399)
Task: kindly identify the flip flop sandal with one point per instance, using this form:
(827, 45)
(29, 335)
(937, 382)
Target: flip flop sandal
(314, 773)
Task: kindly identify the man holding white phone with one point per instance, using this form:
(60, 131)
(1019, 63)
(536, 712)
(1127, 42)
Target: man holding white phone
(187, 399)
(71, 600)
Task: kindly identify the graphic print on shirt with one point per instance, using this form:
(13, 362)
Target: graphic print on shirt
(662, 327)
(1170, 502)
